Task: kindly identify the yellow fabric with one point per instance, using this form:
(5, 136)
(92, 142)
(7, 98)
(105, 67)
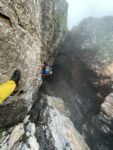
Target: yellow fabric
(6, 89)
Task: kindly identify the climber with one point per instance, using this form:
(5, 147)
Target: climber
(7, 88)
(47, 70)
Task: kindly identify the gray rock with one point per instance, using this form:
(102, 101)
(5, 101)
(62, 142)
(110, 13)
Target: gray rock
(29, 141)
(11, 139)
(16, 135)
(30, 33)
(54, 129)
(91, 42)
(83, 78)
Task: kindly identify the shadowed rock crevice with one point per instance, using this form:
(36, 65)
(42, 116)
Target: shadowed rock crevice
(70, 83)
(83, 78)
(5, 19)
(54, 129)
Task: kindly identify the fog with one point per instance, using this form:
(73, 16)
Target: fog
(79, 9)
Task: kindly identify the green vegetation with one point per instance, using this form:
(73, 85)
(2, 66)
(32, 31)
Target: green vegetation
(1, 132)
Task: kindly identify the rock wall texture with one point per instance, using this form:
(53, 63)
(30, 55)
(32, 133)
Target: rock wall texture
(48, 128)
(30, 33)
(81, 79)
(91, 43)
(102, 131)
(93, 38)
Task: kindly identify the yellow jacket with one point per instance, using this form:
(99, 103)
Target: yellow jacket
(6, 89)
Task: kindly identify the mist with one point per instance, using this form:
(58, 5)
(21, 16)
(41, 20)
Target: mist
(80, 9)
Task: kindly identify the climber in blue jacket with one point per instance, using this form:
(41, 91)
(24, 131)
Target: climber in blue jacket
(47, 70)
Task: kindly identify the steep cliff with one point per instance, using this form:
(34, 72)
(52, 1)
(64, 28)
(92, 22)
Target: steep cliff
(47, 128)
(30, 33)
(83, 78)
(92, 39)
(80, 88)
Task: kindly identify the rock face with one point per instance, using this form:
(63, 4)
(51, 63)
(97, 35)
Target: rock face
(102, 126)
(92, 40)
(80, 88)
(83, 79)
(12, 138)
(69, 83)
(56, 131)
(30, 33)
(50, 129)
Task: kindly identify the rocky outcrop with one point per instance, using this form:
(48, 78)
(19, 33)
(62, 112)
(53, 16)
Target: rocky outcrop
(50, 128)
(81, 79)
(102, 126)
(11, 139)
(69, 83)
(92, 40)
(30, 33)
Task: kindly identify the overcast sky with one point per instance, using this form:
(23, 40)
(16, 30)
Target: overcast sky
(79, 9)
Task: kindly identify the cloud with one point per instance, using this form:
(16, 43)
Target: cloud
(79, 9)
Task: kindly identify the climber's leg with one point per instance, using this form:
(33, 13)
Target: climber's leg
(7, 88)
